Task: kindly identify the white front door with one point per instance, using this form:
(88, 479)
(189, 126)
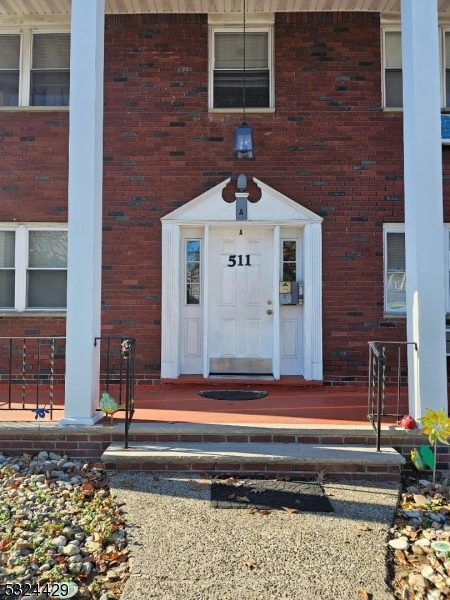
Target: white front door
(241, 303)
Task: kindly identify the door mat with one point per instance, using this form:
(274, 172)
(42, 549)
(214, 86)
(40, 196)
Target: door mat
(262, 493)
(232, 394)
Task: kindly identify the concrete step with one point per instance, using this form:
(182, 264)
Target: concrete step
(356, 462)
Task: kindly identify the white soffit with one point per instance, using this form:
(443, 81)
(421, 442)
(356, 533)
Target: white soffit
(20, 8)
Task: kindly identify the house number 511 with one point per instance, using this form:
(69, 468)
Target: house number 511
(240, 260)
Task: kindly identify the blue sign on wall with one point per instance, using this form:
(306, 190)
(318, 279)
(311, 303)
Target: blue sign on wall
(445, 129)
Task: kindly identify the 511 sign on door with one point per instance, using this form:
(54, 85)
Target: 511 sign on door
(232, 262)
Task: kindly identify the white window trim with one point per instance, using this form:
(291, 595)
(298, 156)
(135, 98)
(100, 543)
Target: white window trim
(443, 29)
(25, 63)
(400, 228)
(389, 228)
(21, 264)
(385, 30)
(271, 62)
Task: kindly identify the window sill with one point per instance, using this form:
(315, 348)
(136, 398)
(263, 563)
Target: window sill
(393, 109)
(390, 316)
(34, 109)
(33, 313)
(240, 110)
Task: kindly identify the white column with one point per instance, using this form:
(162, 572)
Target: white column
(170, 315)
(312, 307)
(425, 293)
(85, 211)
(204, 265)
(276, 249)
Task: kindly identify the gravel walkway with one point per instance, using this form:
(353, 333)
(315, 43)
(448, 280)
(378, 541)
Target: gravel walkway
(181, 549)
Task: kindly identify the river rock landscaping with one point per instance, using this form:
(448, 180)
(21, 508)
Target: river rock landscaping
(59, 525)
(419, 548)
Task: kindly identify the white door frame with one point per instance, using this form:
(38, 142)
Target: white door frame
(210, 210)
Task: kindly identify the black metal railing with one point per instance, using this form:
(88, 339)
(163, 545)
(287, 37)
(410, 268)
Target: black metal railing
(118, 372)
(387, 365)
(30, 368)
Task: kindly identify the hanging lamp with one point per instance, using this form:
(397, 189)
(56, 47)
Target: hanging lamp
(243, 139)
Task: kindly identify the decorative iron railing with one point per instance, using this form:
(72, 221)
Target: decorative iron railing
(118, 373)
(387, 364)
(30, 368)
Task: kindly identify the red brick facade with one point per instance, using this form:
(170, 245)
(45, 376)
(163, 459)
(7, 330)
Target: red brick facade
(328, 146)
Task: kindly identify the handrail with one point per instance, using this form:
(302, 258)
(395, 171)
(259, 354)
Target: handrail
(377, 378)
(127, 356)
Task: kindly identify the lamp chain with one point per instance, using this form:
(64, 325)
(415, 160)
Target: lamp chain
(243, 94)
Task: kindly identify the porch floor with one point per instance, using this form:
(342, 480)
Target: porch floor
(284, 405)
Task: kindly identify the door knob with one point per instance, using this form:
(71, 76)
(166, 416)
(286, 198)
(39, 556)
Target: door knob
(269, 312)
(269, 302)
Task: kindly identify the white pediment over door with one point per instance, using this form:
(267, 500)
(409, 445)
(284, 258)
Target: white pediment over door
(272, 207)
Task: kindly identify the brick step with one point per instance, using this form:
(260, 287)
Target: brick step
(355, 462)
(238, 383)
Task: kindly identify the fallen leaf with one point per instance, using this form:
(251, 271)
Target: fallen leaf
(156, 478)
(126, 483)
(199, 486)
(363, 594)
(401, 557)
(364, 528)
(320, 476)
(252, 510)
(282, 478)
(4, 543)
(242, 499)
(264, 512)
(231, 496)
(291, 511)
(206, 475)
(250, 564)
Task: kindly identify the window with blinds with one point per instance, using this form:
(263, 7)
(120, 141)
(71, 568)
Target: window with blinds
(228, 70)
(447, 68)
(47, 269)
(7, 270)
(393, 81)
(395, 272)
(33, 268)
(9, 70)
(34, 68)
(50, 69)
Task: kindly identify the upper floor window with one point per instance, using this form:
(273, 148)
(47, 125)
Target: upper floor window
(392, 68)
(393, 81)
(34, 68)
(227, 68)
(33, 268)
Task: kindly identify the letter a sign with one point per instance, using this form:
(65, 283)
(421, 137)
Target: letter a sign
(241, 209)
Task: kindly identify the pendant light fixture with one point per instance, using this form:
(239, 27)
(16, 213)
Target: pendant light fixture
(243, 140)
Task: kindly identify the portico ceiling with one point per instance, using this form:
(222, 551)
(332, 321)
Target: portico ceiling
(14, 8)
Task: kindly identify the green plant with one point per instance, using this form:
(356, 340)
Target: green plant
(436, 425)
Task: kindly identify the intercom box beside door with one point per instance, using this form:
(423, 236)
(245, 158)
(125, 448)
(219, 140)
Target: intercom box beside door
(291, 292)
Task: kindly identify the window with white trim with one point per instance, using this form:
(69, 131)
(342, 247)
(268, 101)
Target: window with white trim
(395, 268)
(33, 268)
(227, 68)
(34, 68)
(394, 271)
(446, 67)
(393, 81)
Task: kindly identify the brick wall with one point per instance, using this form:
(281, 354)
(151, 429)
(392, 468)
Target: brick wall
(328, 146)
